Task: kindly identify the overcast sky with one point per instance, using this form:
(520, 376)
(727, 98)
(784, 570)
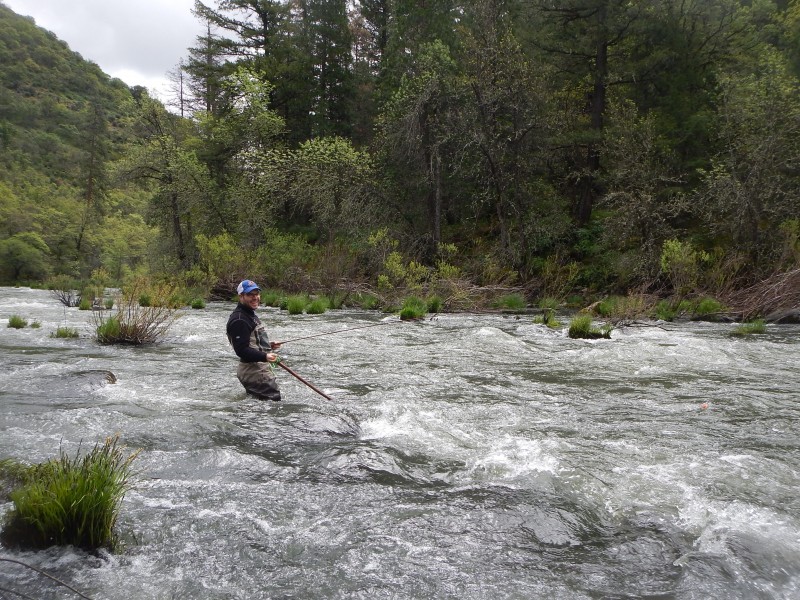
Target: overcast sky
(138, 41)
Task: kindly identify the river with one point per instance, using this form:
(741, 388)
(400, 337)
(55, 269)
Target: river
(467, 456)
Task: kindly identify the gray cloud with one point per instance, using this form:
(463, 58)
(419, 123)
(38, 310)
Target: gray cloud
(139, 42)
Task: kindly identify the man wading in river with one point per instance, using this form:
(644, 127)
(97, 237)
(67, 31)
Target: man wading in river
(249, 339)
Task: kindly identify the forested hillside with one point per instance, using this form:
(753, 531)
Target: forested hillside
(573, 148)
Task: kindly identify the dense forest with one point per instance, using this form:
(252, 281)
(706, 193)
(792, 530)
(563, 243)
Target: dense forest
(568, 150)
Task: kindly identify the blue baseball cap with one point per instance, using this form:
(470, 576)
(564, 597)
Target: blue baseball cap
(247, 286)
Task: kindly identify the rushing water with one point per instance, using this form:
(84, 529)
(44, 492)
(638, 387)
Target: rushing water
(464, 456)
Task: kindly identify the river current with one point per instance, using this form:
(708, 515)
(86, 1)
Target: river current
(469, 456)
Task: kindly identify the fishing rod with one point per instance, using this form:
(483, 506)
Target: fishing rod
(338, 331)
(293, 374)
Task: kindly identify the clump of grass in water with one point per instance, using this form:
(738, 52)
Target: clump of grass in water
(198, 303)
(71, 501)
(318, 306)
(296, 304)
(581, 328)
(753, 327)
(65, 332)
(413, 308)
(17, 322)
(548, 317)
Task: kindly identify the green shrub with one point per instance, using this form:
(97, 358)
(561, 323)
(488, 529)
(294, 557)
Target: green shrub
(71, 501)
(36, 325)
(17, 322)
(133, 323)
(65, 332)
(85, 304)
(753, 327)
(145, 300)
(296, 304)
(413, 308)
(198, 303)
(109, 303)
(318, 306)
(581, 328)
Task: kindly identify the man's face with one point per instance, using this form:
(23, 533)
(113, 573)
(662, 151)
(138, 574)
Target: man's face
(251, 299)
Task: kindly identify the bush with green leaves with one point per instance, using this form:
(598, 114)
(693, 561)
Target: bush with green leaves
(17, 322)
(133, 323)
(71, 500)
(197, 303)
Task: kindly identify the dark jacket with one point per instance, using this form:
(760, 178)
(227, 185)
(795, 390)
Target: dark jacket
(247, 335)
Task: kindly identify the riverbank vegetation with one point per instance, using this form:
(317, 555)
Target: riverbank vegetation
(476, 152)
(69, 500)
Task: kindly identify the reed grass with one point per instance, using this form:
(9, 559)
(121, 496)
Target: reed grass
(318, 306)
(581, 327)
(72, 500)
(65, 332)
(753, 327)
(413, 308)
(17, 322)
(296, 305)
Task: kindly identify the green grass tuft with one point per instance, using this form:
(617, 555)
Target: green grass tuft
(581, 328)
(198, 303)
(754, 327)
(318, 306)
(413, 308)
(71, 500)
(65, 332)
(17, 322)
(511, 302)
(296, 304)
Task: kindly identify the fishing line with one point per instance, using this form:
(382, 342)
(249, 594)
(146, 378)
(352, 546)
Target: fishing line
(306, 337)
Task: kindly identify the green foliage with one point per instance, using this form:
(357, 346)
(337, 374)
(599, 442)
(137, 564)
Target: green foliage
(754, 327)
(65, 332)
(681, 262)
(434, 304)
(297, 304)
(134, 323)
(512, 302)
(548, 318)
(72, 501)
(413, 308)
(197, 303)
(36, 325)
(318, 306)
(17, 322)
(707, 307)
(24, 256)
(271, 298)
(581, 327)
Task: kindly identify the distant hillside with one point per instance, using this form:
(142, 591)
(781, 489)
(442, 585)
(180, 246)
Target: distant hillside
(63, 123)
(55, 107)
